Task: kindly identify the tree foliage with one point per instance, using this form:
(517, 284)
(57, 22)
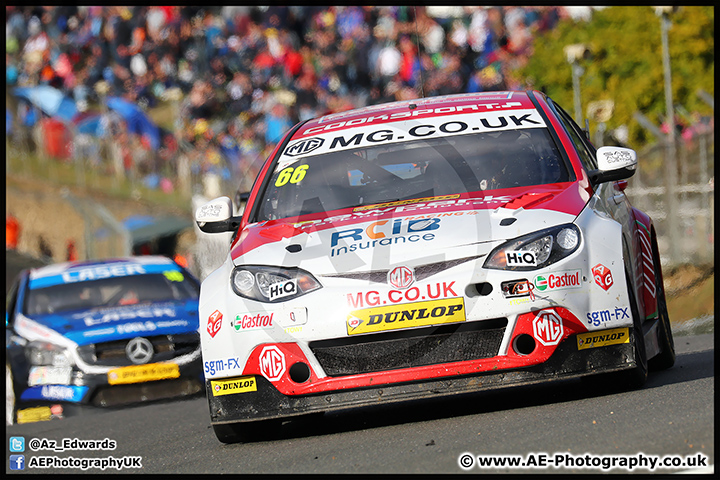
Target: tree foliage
(625, 63)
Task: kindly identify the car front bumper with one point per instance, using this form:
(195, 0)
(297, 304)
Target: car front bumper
(567, 361)
(45, 402)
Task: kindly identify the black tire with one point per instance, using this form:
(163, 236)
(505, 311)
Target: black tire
(666, 358)
(636, 377)
(245, 431)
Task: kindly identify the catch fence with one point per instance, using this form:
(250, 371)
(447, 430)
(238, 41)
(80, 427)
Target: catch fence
(687, 237)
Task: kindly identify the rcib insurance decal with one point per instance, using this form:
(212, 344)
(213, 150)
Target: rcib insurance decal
(407, 315)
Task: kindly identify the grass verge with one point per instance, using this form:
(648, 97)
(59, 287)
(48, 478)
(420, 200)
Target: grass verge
(22, 167)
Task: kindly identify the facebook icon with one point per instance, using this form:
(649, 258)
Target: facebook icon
(17, 462)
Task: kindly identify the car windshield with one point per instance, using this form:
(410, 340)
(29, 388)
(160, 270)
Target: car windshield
(418, 169)
(111, 292)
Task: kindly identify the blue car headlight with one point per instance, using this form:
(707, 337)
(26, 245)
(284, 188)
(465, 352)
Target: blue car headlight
(535, 250)
(271, 284)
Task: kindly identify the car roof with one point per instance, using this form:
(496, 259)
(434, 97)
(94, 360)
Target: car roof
(418, 108)
(60, 268)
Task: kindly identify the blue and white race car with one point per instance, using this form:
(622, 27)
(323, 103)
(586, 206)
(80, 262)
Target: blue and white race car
(103, 333)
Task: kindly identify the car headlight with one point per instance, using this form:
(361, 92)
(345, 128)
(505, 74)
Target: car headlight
(271, 284)
(535, 250)
(43, 353)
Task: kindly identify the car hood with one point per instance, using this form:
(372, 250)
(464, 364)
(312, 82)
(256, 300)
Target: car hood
(116, 323)
(412, 233)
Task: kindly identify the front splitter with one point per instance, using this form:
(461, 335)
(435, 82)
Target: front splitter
(566, 362)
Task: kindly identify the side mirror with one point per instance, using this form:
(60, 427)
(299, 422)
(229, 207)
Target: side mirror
(216, 216)
(241, 197)
(614, 163)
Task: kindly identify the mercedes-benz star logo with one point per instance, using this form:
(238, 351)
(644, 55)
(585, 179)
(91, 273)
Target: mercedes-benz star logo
(139, 350)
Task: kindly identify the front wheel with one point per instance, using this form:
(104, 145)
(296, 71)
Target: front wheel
(636, 377)
(666, 357)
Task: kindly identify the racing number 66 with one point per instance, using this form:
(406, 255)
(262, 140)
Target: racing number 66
(289, 175)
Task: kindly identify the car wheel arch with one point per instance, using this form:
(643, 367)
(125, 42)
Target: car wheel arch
(648, 252)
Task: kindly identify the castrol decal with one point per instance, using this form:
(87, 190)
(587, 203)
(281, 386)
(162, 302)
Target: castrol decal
(558, 280)
(252, 321)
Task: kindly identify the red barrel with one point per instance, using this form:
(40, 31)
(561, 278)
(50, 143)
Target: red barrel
(57, 138)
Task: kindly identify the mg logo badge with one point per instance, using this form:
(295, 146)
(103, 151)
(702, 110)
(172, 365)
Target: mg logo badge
(547, 327)
(303, 147)
(401, 277)
(272, 363)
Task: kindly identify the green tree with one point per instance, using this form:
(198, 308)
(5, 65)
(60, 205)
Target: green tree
(625, 63)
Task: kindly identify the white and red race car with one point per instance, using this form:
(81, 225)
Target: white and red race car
(426, 248)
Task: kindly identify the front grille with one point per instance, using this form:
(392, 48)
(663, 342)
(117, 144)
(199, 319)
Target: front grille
(165, 347)
(117, 395)
(410, 348)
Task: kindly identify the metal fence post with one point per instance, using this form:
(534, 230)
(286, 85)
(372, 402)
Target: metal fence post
(670, 159)
(705, 182)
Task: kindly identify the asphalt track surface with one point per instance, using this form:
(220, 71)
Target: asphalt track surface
(672, 415)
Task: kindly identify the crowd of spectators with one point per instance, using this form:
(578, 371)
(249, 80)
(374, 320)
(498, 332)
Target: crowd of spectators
(247, 74)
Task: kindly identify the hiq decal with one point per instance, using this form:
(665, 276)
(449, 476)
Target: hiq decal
(520, 258)
(283, 289)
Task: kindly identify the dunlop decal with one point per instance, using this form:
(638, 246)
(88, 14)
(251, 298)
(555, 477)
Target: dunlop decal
(408, 315)
(603, 338)
(235, 385)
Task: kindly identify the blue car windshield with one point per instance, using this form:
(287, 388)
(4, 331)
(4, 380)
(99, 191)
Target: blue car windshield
(417, 169)
(110, 292)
